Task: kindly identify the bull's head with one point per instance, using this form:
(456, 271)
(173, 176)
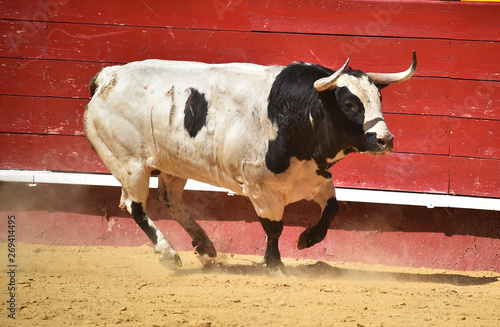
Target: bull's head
(358, 96)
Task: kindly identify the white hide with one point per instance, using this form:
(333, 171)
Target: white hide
(135, 122)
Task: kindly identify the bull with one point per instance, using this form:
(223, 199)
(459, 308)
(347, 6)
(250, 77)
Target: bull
(270, 133)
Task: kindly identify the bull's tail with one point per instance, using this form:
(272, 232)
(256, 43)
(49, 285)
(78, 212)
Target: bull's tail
(93, 84)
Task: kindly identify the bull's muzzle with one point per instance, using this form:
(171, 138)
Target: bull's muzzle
(385, 144)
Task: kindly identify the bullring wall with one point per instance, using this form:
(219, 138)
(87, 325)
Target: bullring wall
(445, 119)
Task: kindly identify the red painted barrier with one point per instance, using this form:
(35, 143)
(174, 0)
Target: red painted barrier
(368, 233)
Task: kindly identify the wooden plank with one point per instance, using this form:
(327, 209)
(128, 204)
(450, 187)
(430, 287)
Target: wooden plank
(395, 171)
(65, 116)
(72, 153)
(475, 138)
(23, 39)
(469, 21)
(472, 176)
(25, 9)
(418, 95)
(37, 115)
(52, 152)
(23, 151)
(419, 134)
(124, 44)
(367, 54)
(475, 21)
(42, 78)
(23, 114)
(216, 14)
(70, 78)
(475, 60)
(369, 18)
(475, 99)
(23, 77)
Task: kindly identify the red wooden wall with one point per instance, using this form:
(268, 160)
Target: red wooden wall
(445, 119)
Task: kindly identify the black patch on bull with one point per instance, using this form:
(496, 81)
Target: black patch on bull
(293, 101)
(273, 230)
(141, 220)
(195, 112)
(350, 105)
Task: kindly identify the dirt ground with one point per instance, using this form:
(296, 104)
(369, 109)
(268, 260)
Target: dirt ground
(108, 286)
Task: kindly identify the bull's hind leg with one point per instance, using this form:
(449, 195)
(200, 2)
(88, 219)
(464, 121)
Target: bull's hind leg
(135, 190)
(170, 190)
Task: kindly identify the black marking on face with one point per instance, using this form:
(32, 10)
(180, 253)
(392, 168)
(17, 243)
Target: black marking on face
(350, 105)
(195, 112)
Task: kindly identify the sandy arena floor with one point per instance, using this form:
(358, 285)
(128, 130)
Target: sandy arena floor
(108, 286)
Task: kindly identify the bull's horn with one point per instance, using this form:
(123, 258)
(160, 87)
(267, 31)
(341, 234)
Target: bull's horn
(330, 82)
(383, 79)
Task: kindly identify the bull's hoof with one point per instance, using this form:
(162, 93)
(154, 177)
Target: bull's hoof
(171, 260)
(275, 269)
(207, 254)
(168, 256)
(206, 250)
(309, 237)
(304, 240)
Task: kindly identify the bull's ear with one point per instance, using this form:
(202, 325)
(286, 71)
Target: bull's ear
(330, 82)
(381, 86)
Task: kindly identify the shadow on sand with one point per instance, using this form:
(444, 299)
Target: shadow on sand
(322, 270)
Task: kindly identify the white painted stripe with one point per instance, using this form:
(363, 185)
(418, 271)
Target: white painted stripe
(343, 194)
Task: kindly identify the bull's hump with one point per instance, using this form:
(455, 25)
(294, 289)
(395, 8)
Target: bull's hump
(291, 98)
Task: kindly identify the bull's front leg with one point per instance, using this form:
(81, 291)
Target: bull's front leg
(269, 208)
(273, 230)
(329, 205)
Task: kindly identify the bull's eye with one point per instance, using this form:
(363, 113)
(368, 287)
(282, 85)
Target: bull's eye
(350, 109)
(353, 112)
(350, 106)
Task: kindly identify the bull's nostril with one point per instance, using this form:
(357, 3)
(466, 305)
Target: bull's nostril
(385, 143)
